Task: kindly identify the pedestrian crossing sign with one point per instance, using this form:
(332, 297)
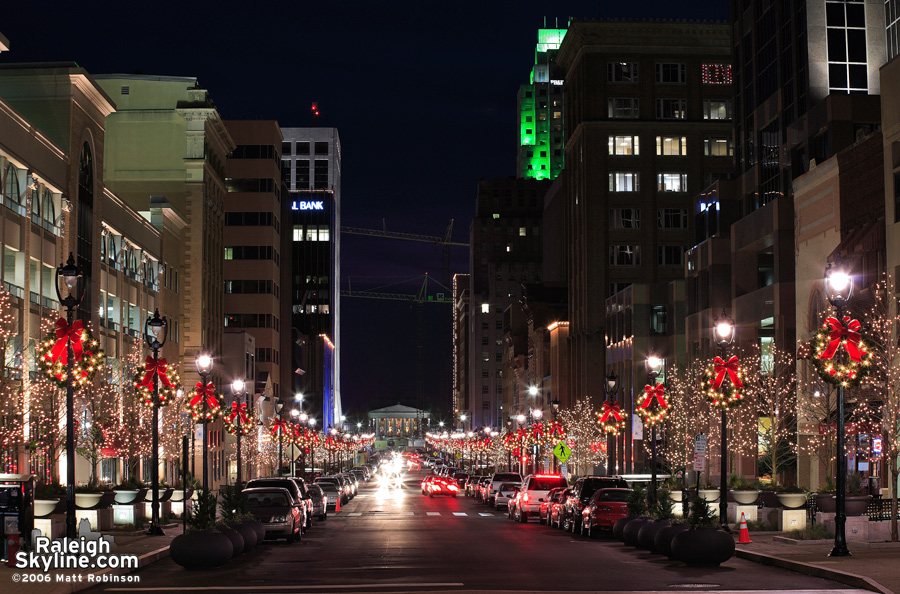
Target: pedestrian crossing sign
(562, 452)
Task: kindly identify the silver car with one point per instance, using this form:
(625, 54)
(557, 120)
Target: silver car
(505, 493)
(319, 504)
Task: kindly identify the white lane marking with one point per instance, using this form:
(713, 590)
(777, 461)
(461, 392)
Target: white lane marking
(487, 515)
(460, 514)
(354, 514)
(433, 513)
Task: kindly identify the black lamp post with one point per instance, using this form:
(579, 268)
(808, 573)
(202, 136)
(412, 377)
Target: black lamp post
(156, 330)
(723, 334)
(72, 277)
(612, 396)
(238, 387)
(653, 365)
(536, 416)
(509, 426)
(521, 420)
(838, 290)
(204, 364)
(279, 412)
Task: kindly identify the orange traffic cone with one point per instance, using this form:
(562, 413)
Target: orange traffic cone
(337, 506)
(745, 533)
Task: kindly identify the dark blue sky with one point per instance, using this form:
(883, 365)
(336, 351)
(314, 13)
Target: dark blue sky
(423, 95)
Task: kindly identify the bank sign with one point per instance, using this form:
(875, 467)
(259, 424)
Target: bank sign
(308, 205)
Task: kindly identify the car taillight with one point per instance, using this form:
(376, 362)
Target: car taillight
(437, 487)
(452, 488)
(525, 497)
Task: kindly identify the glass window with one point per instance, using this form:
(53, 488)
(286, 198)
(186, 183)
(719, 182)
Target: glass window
(625, 108)
(672, 218)
(624, 255)
(716, 109)
(669, 255)
(671, 109)
(624, 181)
(671, 182)
(671, 145)
(485, 308)
(718, 146)
(622, 72)
(671, 73)
(624, 145)
(715, 74)
(303, 148)
(625, 218)
(321, 148)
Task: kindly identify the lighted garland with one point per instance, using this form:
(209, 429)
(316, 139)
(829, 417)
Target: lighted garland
(207, 404)
(238, 421)
(841, 335)
(611, 418)
(724, 383)
(87, 357)
(541, 434)
(653, 415)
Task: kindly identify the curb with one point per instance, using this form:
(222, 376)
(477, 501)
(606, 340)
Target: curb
(143, 561)
(849, 579)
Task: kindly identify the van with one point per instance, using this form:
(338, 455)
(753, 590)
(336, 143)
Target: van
(496, 480)
(535, 488)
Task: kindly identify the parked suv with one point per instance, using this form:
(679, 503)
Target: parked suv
(581, 493)
(535, 488)
(498, 479)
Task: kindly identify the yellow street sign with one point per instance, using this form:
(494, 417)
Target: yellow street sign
(562, 452)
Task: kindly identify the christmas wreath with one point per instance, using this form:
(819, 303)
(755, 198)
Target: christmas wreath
(841, 369)
(169, 382)
(654, 415)
(238, 420)
(611, 418)
(207, 404)
(53, 353)
(724, 383)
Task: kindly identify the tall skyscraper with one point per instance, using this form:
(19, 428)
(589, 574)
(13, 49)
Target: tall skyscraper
(311, 166)
(540, 107)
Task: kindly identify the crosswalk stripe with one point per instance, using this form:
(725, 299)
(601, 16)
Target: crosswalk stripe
(486, 515)
(354, 514)
(460, 514)
(433, 513)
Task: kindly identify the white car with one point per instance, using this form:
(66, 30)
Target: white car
(534, 489)
(505, 493)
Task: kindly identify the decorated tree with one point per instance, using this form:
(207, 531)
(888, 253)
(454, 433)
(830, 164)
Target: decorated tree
(688, 416)
(582, 432)
(96, 406)
(128, 431)
(47, 430)
(12, 398)
(817, 413)
(882, 324)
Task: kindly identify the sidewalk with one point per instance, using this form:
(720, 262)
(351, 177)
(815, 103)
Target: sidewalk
(871, 566)
(148, 549)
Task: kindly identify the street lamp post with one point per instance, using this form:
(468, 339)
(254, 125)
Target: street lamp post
(204, 367)
(554, 408)
(521, 420)
(237, 390)
(723, 334)
(304, 420)
(612, 396)
(509, 426)
(279, 412)
(654, 366)
(536, 415)
(838, 290)
(72, 276)
(156, 330)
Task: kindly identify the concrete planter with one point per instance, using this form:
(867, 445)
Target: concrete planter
(201, 549)
(745, 496)
(125, 496)
(633, 529)
(44, 507)
(648, 532)
(87, 500)
(791, 500)
(703, 546)
(709, 495)
(855, 505)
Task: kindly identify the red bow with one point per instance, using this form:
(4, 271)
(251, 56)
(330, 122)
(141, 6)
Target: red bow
(65, 333)
(612, 408)
(239, 411)
(556, 429)
(154, 368)
(537, 431)
(657, 392)
(731, 368)
(279, 425)
(837, 335)
(207, 392)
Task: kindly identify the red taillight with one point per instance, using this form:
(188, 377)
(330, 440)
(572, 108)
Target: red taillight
(525, 497)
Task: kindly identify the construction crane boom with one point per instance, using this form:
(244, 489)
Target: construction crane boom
(407, 236)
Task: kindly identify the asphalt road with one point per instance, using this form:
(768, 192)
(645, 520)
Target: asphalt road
(399, 541)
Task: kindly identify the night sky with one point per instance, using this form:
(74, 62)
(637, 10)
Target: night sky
(424, 98)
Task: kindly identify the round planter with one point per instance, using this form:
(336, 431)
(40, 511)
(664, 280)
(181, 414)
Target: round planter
(745, 496)
(791, 500)
(703, 546)
(201, 549)
(237, 541)
(44, 507)
(619, 527)
(647, 533)
(126, 496)
(825, 503)
(165, 493)
(663, 541)
(247, 532)
(709, 495)
(87, 500)
(632, 529)
(259, 528)
(178, 494)
(856, 505)
(676, 496)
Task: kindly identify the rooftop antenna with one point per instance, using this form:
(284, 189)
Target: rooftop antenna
(315, 113)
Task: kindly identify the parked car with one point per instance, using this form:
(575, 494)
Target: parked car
(275, 508)
(505, 493)
(482, 488)
(534, 490)
(332, 494)
(581, 493)
(307, 502)
(339, 485)
(461, 478)
(496, 480)
(440, 485)
(558, 509)
(286, 483)
(471, 483)
(367, 472)
(319, 501)
(551, 498)
(604, 508)
(354, 482)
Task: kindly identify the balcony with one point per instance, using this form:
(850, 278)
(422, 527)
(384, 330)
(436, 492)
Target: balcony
(14, 206)
(109, 324)
(14, 290)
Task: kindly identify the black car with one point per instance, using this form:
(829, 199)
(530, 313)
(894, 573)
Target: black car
(287, 483)
(580, 494)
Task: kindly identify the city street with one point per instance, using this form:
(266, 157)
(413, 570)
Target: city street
(399, 540)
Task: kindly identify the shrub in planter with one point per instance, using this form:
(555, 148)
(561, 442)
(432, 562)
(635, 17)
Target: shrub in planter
(662, 515)
(704, 543)
(742, 490)
(235, 515)
(636, 504)
(202, 547)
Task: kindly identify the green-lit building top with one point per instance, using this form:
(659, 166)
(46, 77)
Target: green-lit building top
(540, 107)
